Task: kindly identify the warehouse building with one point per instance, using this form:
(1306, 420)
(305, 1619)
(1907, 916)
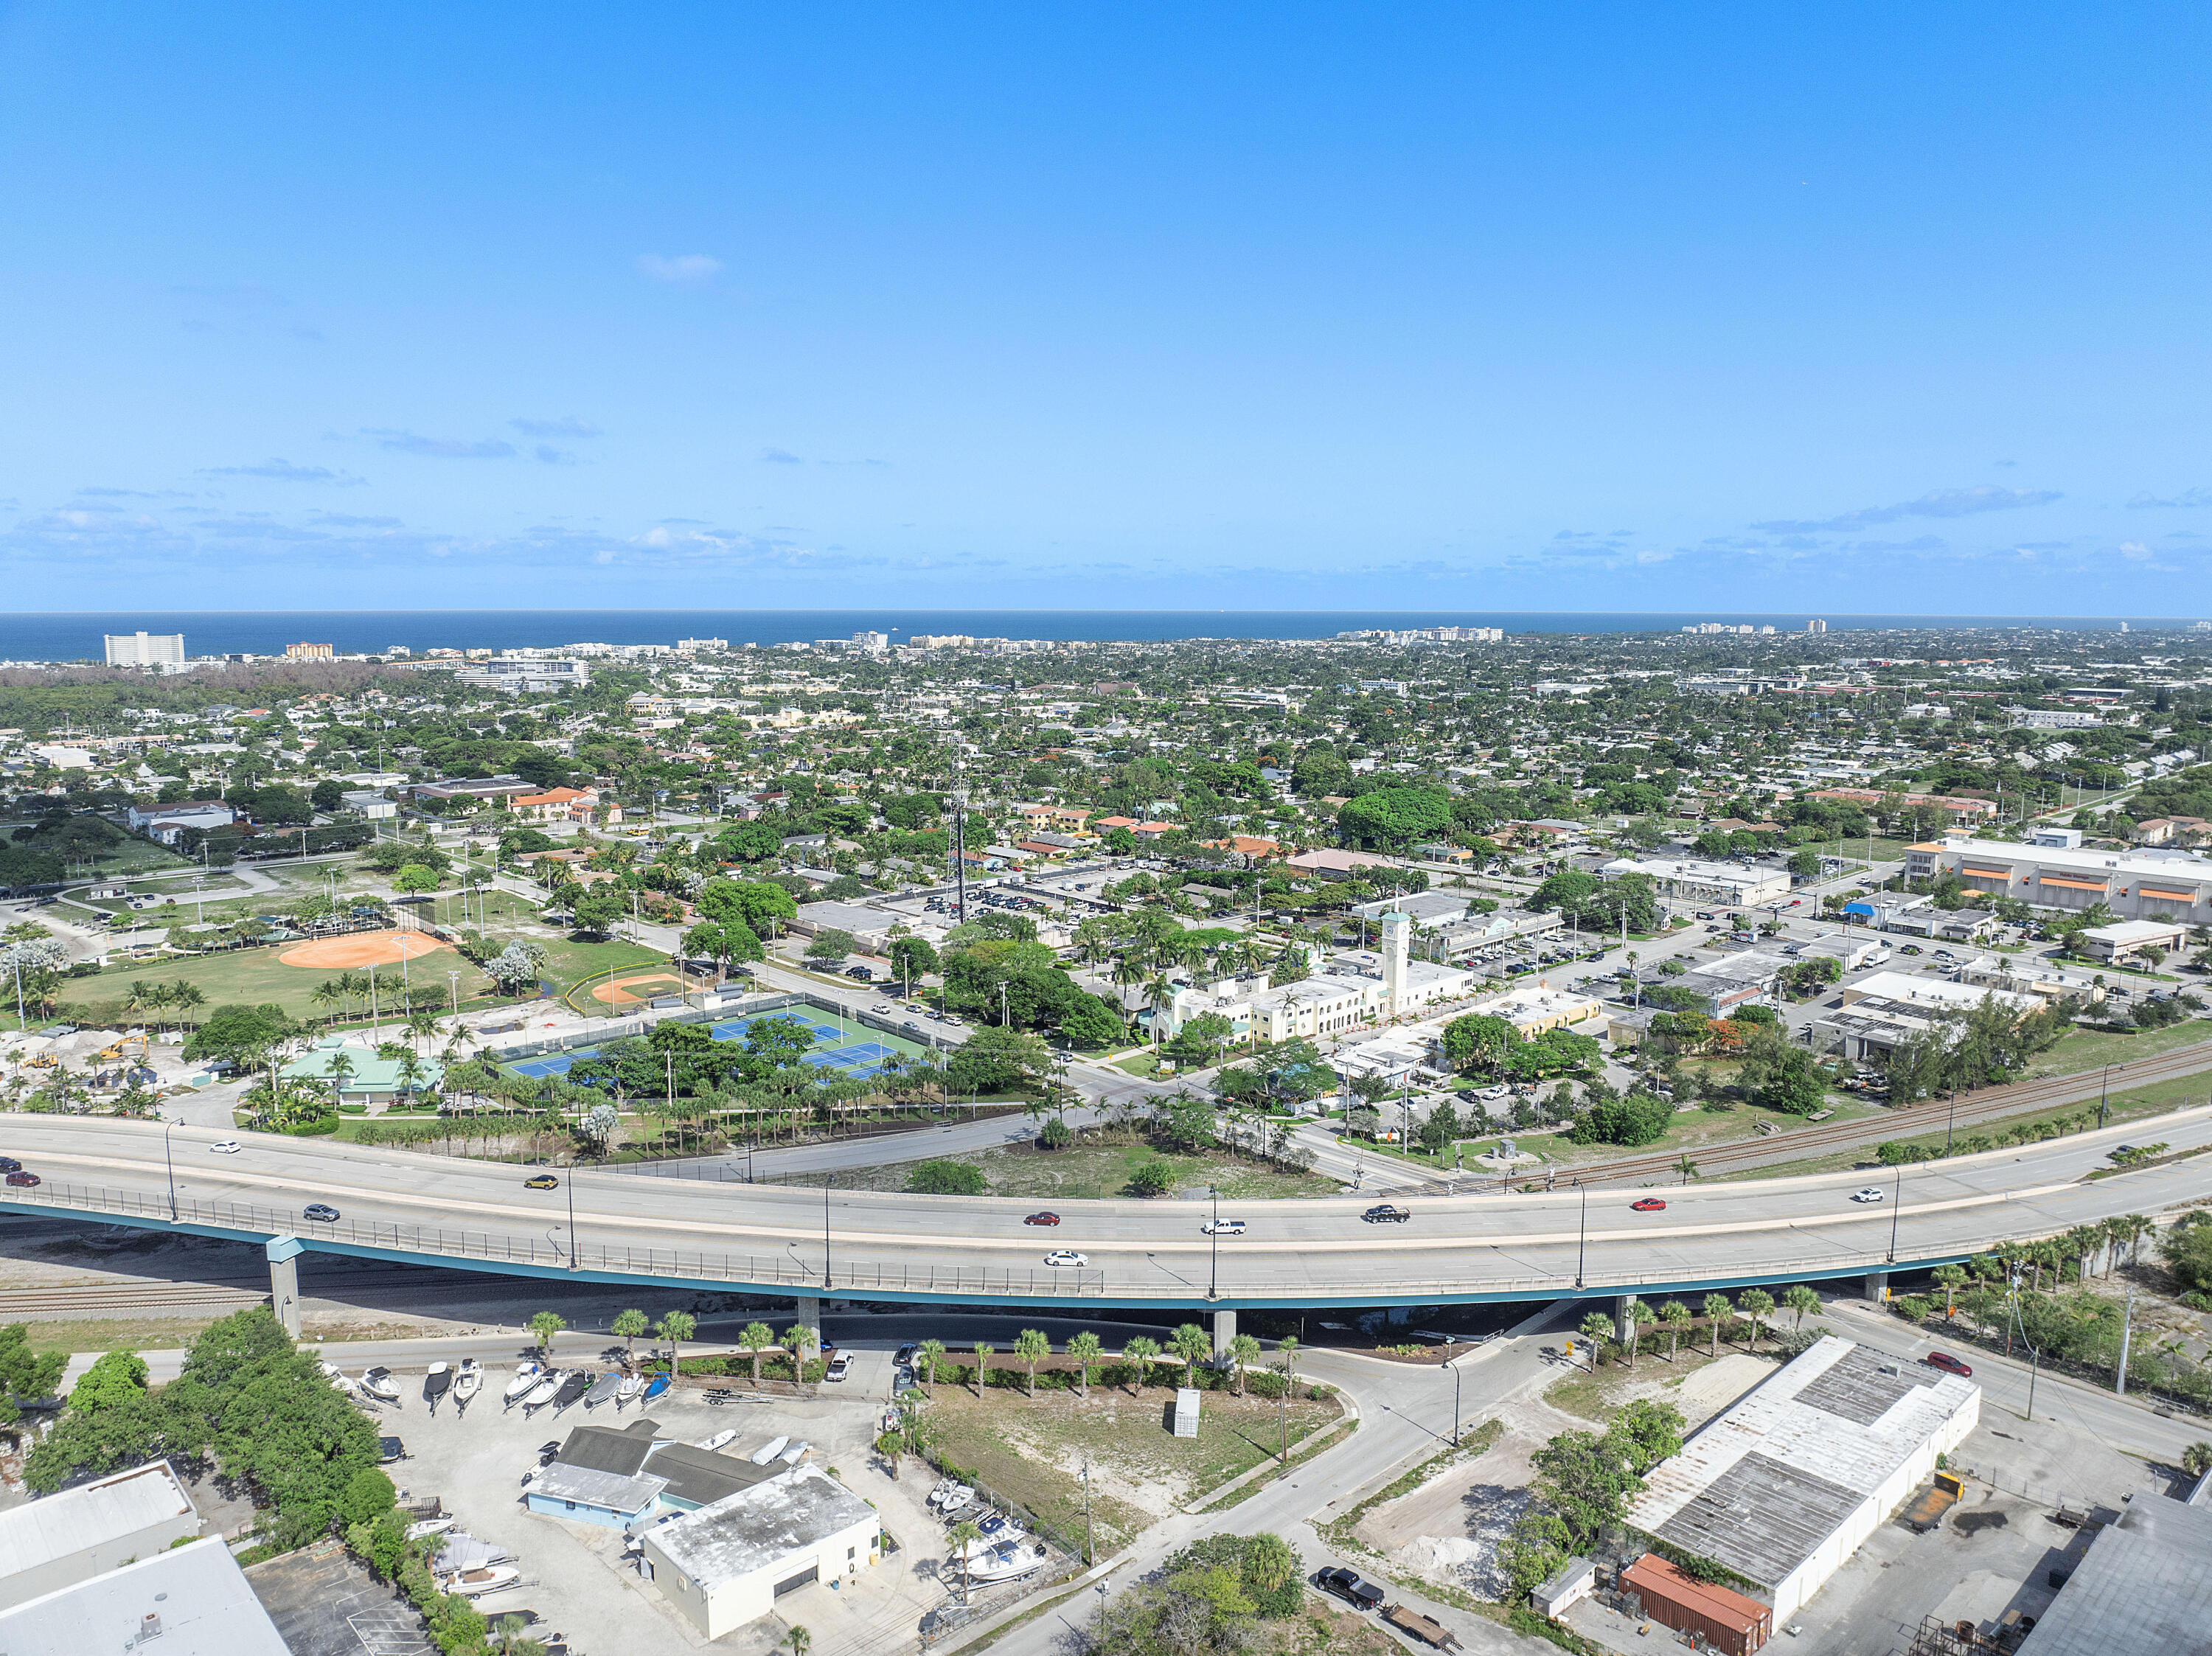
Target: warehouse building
(79, 1533)
(728, 1563)
(1784, 1486)
(2145, 1584)
(1687, 880)
(2166, 886)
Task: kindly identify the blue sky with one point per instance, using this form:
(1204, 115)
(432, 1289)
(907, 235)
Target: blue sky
(1265, 306)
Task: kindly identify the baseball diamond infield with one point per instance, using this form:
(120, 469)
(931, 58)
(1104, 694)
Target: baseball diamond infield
(361, 949)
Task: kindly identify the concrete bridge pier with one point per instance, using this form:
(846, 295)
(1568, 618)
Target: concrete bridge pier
(1877, 1286)
(1624, 1324)
(284, 1253)
(1224, 1331)
(807, 1314)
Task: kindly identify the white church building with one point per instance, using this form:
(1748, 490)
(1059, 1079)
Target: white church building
(1355, 990)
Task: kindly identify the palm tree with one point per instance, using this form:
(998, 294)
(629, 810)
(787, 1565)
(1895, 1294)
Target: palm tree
(1755, 1303)
(544, 1326)
(1243, 1352)
(1286, 1351)
(1084, 1348)
(1139, 1353)
(1638, 1314)
(1674, 1317)
(1687, 1168)
(983, 1354)
(799, 1339)
(1953, 1279)
(187, 996)
(1718, 1310)
(1159, 995)
(337, 1069)
(1803, 1300)
(752, 1340)
(1269, 1561)
(325, 995)
(629, 1325)
(1031, 1348)
(1597, 1329)
(962, 1536)
(801, 1641)
(926, 1356)
(676, 1327)
(423, 1025)
(1193, 1344)
(410, 1071)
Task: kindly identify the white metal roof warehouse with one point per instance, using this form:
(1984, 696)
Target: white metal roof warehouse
(1784, 1486)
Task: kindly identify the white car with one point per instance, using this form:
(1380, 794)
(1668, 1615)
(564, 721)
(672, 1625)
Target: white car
(224, 1146)
(840, 1365)
(1869, 1194)
(1222, 1228)
(1066, 1256)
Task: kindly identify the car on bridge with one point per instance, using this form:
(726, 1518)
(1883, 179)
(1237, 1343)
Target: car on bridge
(19, 1177)
(1066, 1256)
(1869, 1194)
(9, 1164)
(1222, 1228)
(1042, 1219)
(322, 1212)
(541, 1182)
(224, 1146)
(1648, 1204)
(1382, 1213)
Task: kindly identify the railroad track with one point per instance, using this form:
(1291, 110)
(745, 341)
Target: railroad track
(103, 1299)
(1974, 1109)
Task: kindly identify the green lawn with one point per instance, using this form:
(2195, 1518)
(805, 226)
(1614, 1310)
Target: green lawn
(1087, 1171)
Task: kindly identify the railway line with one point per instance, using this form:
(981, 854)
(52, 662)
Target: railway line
(1974, 1109)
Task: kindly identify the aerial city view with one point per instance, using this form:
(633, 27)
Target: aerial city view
(1106, 832)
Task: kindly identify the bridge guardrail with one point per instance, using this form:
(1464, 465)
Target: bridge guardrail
(782, 1270)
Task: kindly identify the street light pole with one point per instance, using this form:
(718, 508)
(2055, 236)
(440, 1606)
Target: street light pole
(828, 1184)
(1582, 1234)
(571, 1182)
(1213, 1279)
(1896, 1206)
(166, 1156)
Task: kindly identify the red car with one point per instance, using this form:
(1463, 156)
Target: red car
(19, 1178)
(1648, 1204)
(1042, 1219)
(1949, 1364)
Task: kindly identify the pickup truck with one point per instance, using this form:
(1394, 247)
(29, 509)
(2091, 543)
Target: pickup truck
(1938, 1498)
(1428, 1630)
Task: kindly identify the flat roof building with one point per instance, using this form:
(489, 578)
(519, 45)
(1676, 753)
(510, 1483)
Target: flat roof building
(2166, 886)
(142, 649)
(2127, 940)
(79, 1533)
(729, 1562)
(2145, 1584)
(1784, 1485)
(193, 1601)
(1689, 880)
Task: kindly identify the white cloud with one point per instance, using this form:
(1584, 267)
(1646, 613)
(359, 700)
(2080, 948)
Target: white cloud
(683, 271)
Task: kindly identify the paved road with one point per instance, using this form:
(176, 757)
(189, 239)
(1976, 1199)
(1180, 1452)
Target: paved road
(1493, 1245)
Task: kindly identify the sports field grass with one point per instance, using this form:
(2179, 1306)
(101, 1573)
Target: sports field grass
(256, 976)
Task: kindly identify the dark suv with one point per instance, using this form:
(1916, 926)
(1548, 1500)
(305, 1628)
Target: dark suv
(1383, 1213)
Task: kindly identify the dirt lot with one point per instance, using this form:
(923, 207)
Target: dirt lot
(1033, 1451)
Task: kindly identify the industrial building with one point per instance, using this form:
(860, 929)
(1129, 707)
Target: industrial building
(77, 1534)
(192, 1600)
(2169, 886)
(1784, 1486)
(728, 1563)
(2144, 1585)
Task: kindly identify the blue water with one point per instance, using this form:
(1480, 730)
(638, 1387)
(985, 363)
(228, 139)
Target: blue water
(72, 636)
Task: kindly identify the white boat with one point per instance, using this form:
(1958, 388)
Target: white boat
(628, 1390)
(467, 1382)
(548, 1386)
(338, 1378)
(950, 1496)
(998, 1560)
(428, 1526)
(720, 1438)
(768, 1451)
(794, 1452)
(471, 1584)
(380, 1384)
(525, 1377)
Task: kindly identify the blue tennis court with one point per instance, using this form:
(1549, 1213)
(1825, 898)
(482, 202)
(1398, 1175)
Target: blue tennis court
(834, 1050)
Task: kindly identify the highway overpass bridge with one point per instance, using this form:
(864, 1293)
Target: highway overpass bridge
(418, 1208)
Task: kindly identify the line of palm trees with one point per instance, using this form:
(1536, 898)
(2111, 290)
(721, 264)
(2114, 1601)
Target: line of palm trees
(342, 991)
(159, 998)
(1754, 1306)
(2075, 1249)
(1187, 1348)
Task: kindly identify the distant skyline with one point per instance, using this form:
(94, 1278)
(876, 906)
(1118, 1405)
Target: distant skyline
(1443, 308)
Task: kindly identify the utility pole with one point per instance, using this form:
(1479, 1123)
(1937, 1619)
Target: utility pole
(2127, 1328)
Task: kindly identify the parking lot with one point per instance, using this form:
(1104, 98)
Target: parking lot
(573, 1575)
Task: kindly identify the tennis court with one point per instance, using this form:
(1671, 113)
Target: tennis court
(835, 1048)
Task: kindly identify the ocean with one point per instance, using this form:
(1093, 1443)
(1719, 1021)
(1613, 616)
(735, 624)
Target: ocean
(72, 636)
